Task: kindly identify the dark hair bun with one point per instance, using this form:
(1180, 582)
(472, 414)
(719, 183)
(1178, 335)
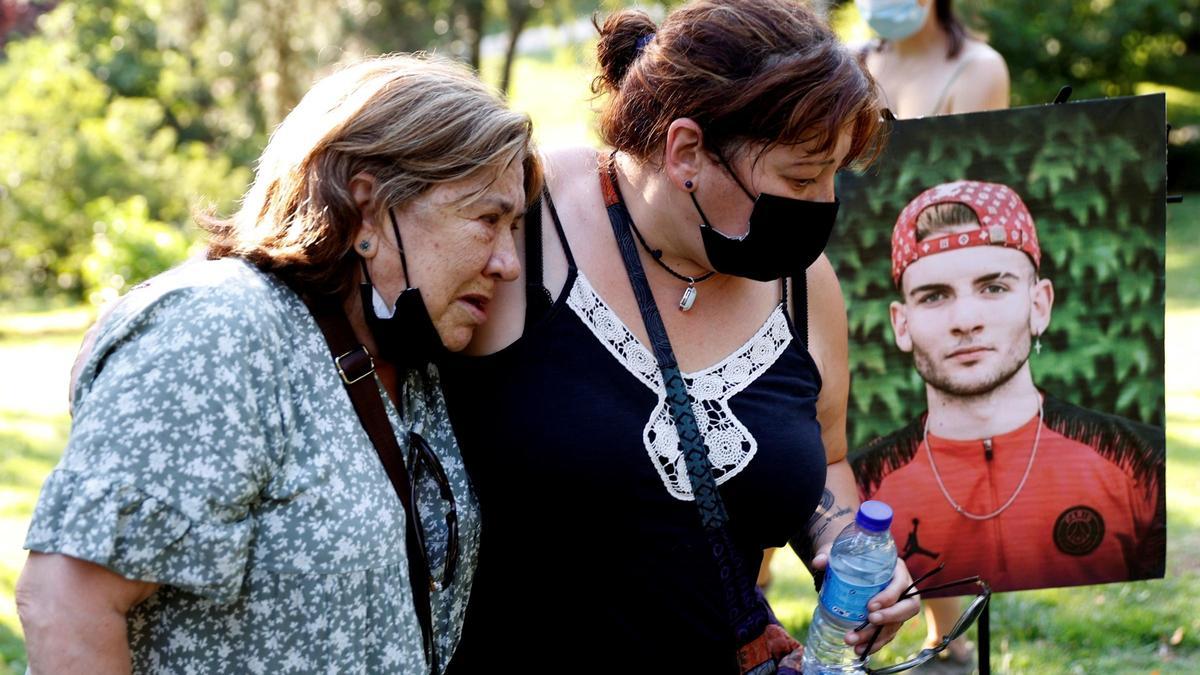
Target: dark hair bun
(618, 47)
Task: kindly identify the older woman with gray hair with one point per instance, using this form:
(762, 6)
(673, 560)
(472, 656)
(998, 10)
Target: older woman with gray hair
(260, 472)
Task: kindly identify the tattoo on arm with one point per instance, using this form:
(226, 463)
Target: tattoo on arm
(826, 513)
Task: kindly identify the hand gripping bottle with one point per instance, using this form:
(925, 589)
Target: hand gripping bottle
(861, 564)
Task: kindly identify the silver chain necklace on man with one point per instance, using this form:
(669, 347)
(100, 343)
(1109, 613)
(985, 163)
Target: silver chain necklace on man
(1037, 437)
(689, 294)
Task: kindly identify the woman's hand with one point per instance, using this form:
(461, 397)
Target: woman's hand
(883, 609)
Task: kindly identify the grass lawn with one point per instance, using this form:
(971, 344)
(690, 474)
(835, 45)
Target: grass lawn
(36, 351)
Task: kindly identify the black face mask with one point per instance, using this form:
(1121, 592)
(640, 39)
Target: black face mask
(407, 339)
(785, 236)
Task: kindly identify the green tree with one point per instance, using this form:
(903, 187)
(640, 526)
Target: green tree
(140, 111)
(96, 123)
(1106, 48)
(1099, 47)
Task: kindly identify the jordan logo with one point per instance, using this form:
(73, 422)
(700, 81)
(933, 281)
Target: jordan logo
(913, 547)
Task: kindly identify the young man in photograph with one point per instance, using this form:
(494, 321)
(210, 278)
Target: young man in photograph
(998, 478)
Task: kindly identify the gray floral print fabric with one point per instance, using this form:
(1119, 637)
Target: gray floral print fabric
(214, 451)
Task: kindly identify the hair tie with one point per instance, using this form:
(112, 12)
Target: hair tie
(643, 41)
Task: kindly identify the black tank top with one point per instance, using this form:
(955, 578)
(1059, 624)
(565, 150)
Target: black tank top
(592, 557)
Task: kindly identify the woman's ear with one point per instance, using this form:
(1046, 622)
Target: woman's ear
(366, 238)
(684, 155)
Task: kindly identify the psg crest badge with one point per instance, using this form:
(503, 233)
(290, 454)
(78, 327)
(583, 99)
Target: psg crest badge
(1078, 530)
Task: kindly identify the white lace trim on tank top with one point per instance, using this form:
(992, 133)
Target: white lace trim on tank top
(731, 446)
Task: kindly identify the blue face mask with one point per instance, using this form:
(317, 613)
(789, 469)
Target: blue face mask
(893, 19)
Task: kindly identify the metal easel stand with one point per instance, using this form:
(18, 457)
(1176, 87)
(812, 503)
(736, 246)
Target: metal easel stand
(985, 640)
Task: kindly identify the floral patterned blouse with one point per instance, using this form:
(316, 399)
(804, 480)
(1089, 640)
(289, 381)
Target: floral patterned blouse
(215, 451)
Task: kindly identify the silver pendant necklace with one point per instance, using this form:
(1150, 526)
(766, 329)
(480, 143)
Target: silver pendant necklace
(1037, 437)
(688, 299)
(689, 294)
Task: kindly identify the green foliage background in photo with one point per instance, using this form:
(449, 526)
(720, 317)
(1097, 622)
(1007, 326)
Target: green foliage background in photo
(1093, 175)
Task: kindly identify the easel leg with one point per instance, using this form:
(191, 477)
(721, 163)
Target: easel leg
(985, 640)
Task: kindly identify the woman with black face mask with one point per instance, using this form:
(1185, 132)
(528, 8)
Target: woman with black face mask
(672, 373)
(261, 475)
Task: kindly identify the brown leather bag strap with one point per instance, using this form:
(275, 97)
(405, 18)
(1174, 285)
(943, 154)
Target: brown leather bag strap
(356, 367)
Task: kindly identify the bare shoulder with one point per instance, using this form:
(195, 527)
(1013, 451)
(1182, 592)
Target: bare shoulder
(984, 82)
(827, 313)
(984, 65)
(567, 168)
(829, 347)
(982, 59)
(570, 180)
(822, 276)
(827, 327)
(569, 154)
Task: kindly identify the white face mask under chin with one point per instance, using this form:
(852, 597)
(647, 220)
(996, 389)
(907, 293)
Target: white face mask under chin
(382, 309)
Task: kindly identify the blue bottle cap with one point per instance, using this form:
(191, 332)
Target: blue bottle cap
(874, 516)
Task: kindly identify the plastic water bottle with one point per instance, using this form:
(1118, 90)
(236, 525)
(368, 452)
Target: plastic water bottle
(860, 565)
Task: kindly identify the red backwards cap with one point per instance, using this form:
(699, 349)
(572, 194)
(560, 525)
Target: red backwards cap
(1004, 221)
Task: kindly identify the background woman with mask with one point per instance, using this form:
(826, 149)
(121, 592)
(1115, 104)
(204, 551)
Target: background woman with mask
(928, 63)
(728, 124)
(219, 503)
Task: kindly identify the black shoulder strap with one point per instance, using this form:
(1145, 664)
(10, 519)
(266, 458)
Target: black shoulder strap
(533, 247)
(538, 299)
(800, 306)
(558, 227)
(356, 368)
(747, 613)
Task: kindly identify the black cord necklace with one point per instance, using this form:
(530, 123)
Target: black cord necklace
(689, 294)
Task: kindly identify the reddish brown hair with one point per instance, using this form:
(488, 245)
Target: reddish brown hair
(752, 72)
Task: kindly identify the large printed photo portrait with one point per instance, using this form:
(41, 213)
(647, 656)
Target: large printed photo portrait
(1004, 275)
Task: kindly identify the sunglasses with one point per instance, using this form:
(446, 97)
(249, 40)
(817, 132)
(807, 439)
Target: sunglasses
(968, 617)
(422, 459)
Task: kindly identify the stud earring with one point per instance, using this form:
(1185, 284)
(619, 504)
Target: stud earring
(688, 184)
(365, 245)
